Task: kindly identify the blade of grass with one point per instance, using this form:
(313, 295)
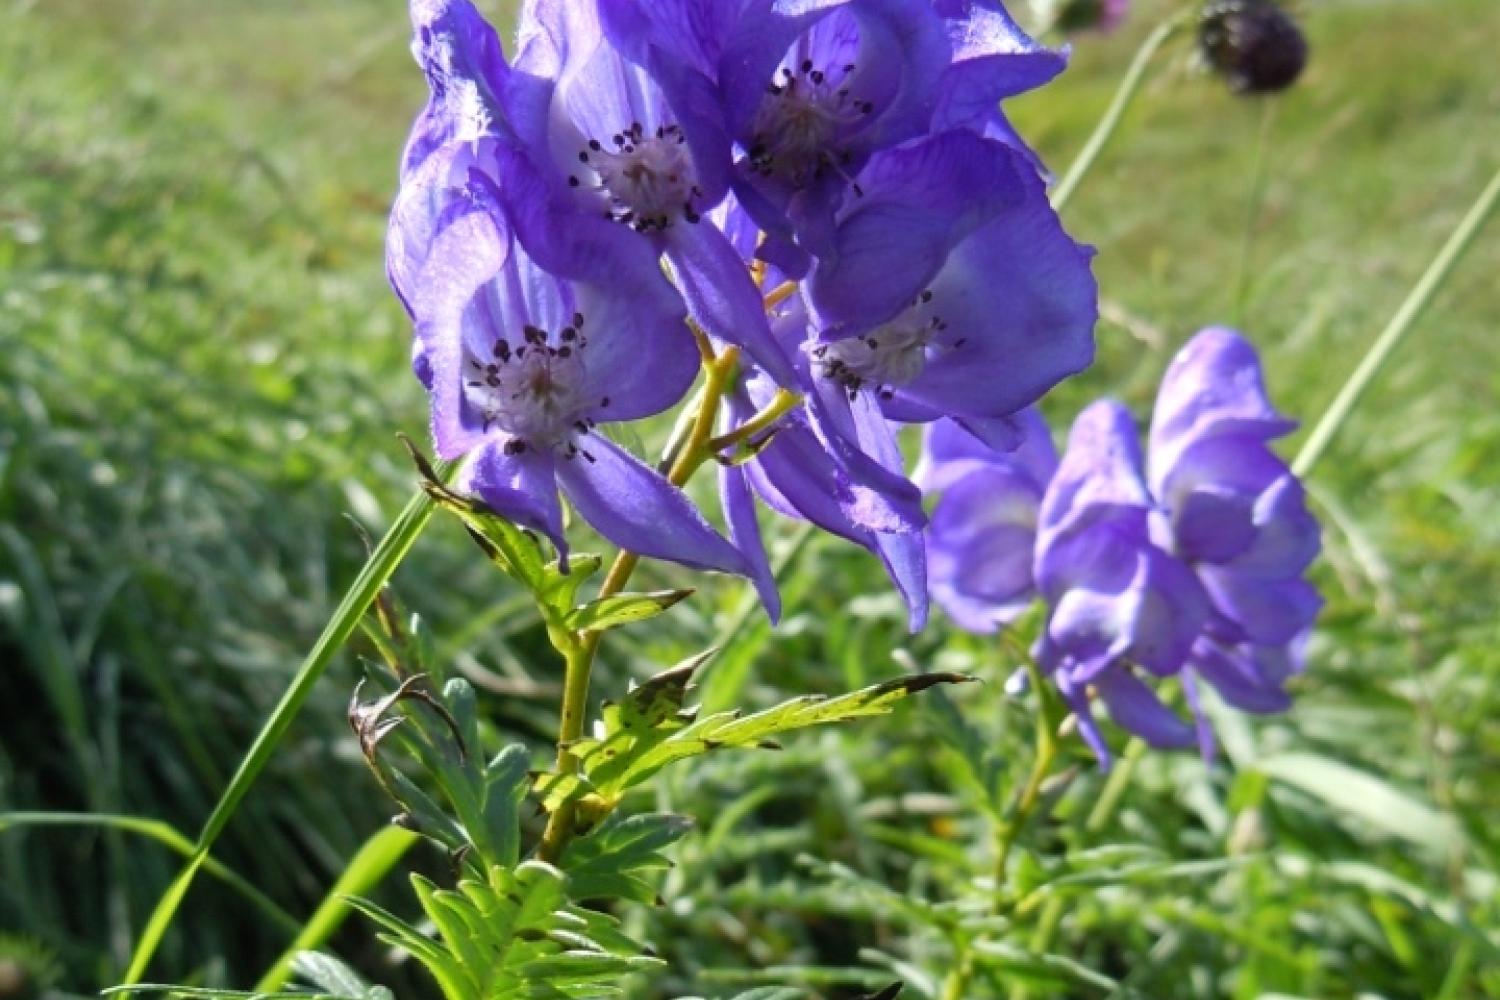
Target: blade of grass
(1130, 84)
(377, 570)
(165, 835)
(371, 863)
(1396, 330)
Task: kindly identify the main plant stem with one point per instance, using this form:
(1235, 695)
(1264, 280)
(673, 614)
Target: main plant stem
(580, 648)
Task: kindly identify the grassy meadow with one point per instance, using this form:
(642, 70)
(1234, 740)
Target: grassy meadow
(202, 373)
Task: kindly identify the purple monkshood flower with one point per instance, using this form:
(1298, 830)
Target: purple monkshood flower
(983, 527)
(1191, 565)
(951, 289)
(808, 92)
(595, 131)
(1235, 512)
(1118, 604)
(523, 366)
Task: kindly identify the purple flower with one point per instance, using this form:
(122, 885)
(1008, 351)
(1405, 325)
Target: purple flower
(1234, 511)
(1118, 603)
(1192, 566)
(816, 467)
(523, 366)
(809, 91)
(952, 291)
(598, 132)
(983, 527)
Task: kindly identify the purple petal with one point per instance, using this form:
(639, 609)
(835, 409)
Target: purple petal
(1100, 470)
(919, 202)
(1213, 386)
(1135, 707)
(1211, 492)
(744, 532)
(946, 442)
(980, 545)
(854, 435)
(723, 298)
(1287, 535)
(679, 43)
(641, 354)
(432, 195)
(992, 59)
(521, 487)
(904, 554)
(637, 509)
(1271, 612)
(467, 77)
(1017, 297)
(1238, 678)
(464, 257)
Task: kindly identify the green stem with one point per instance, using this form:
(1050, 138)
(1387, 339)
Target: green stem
(1114, 788)
(1009, 827)
(1030, 793)
(958, 979)
(1253, 204)
(579, 650)
(377, 570)
(1396, 330)
(1124, 95)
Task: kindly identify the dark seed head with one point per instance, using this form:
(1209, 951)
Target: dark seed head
(1253, 44)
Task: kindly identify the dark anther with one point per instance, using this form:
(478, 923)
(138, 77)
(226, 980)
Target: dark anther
(572, 181)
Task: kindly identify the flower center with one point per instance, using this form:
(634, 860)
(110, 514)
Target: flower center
(647, 179)
(535, 390)
(799, 126)
(891, 356)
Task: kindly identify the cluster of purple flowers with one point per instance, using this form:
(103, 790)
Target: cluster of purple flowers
(829, 186)
(1189, 564)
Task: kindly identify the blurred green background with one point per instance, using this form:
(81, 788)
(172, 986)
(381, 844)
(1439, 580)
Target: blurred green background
(202, 372)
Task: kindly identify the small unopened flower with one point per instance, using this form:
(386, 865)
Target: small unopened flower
(1254, 44)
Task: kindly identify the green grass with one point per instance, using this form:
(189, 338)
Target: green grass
(203, 371)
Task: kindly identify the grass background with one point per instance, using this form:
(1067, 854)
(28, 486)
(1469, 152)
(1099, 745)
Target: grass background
(201, 374)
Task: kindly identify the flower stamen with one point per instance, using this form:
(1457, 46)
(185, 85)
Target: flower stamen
(647, 181)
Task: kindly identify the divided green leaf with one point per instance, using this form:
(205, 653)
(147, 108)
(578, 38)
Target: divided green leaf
(515, 936)
(651, 728)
